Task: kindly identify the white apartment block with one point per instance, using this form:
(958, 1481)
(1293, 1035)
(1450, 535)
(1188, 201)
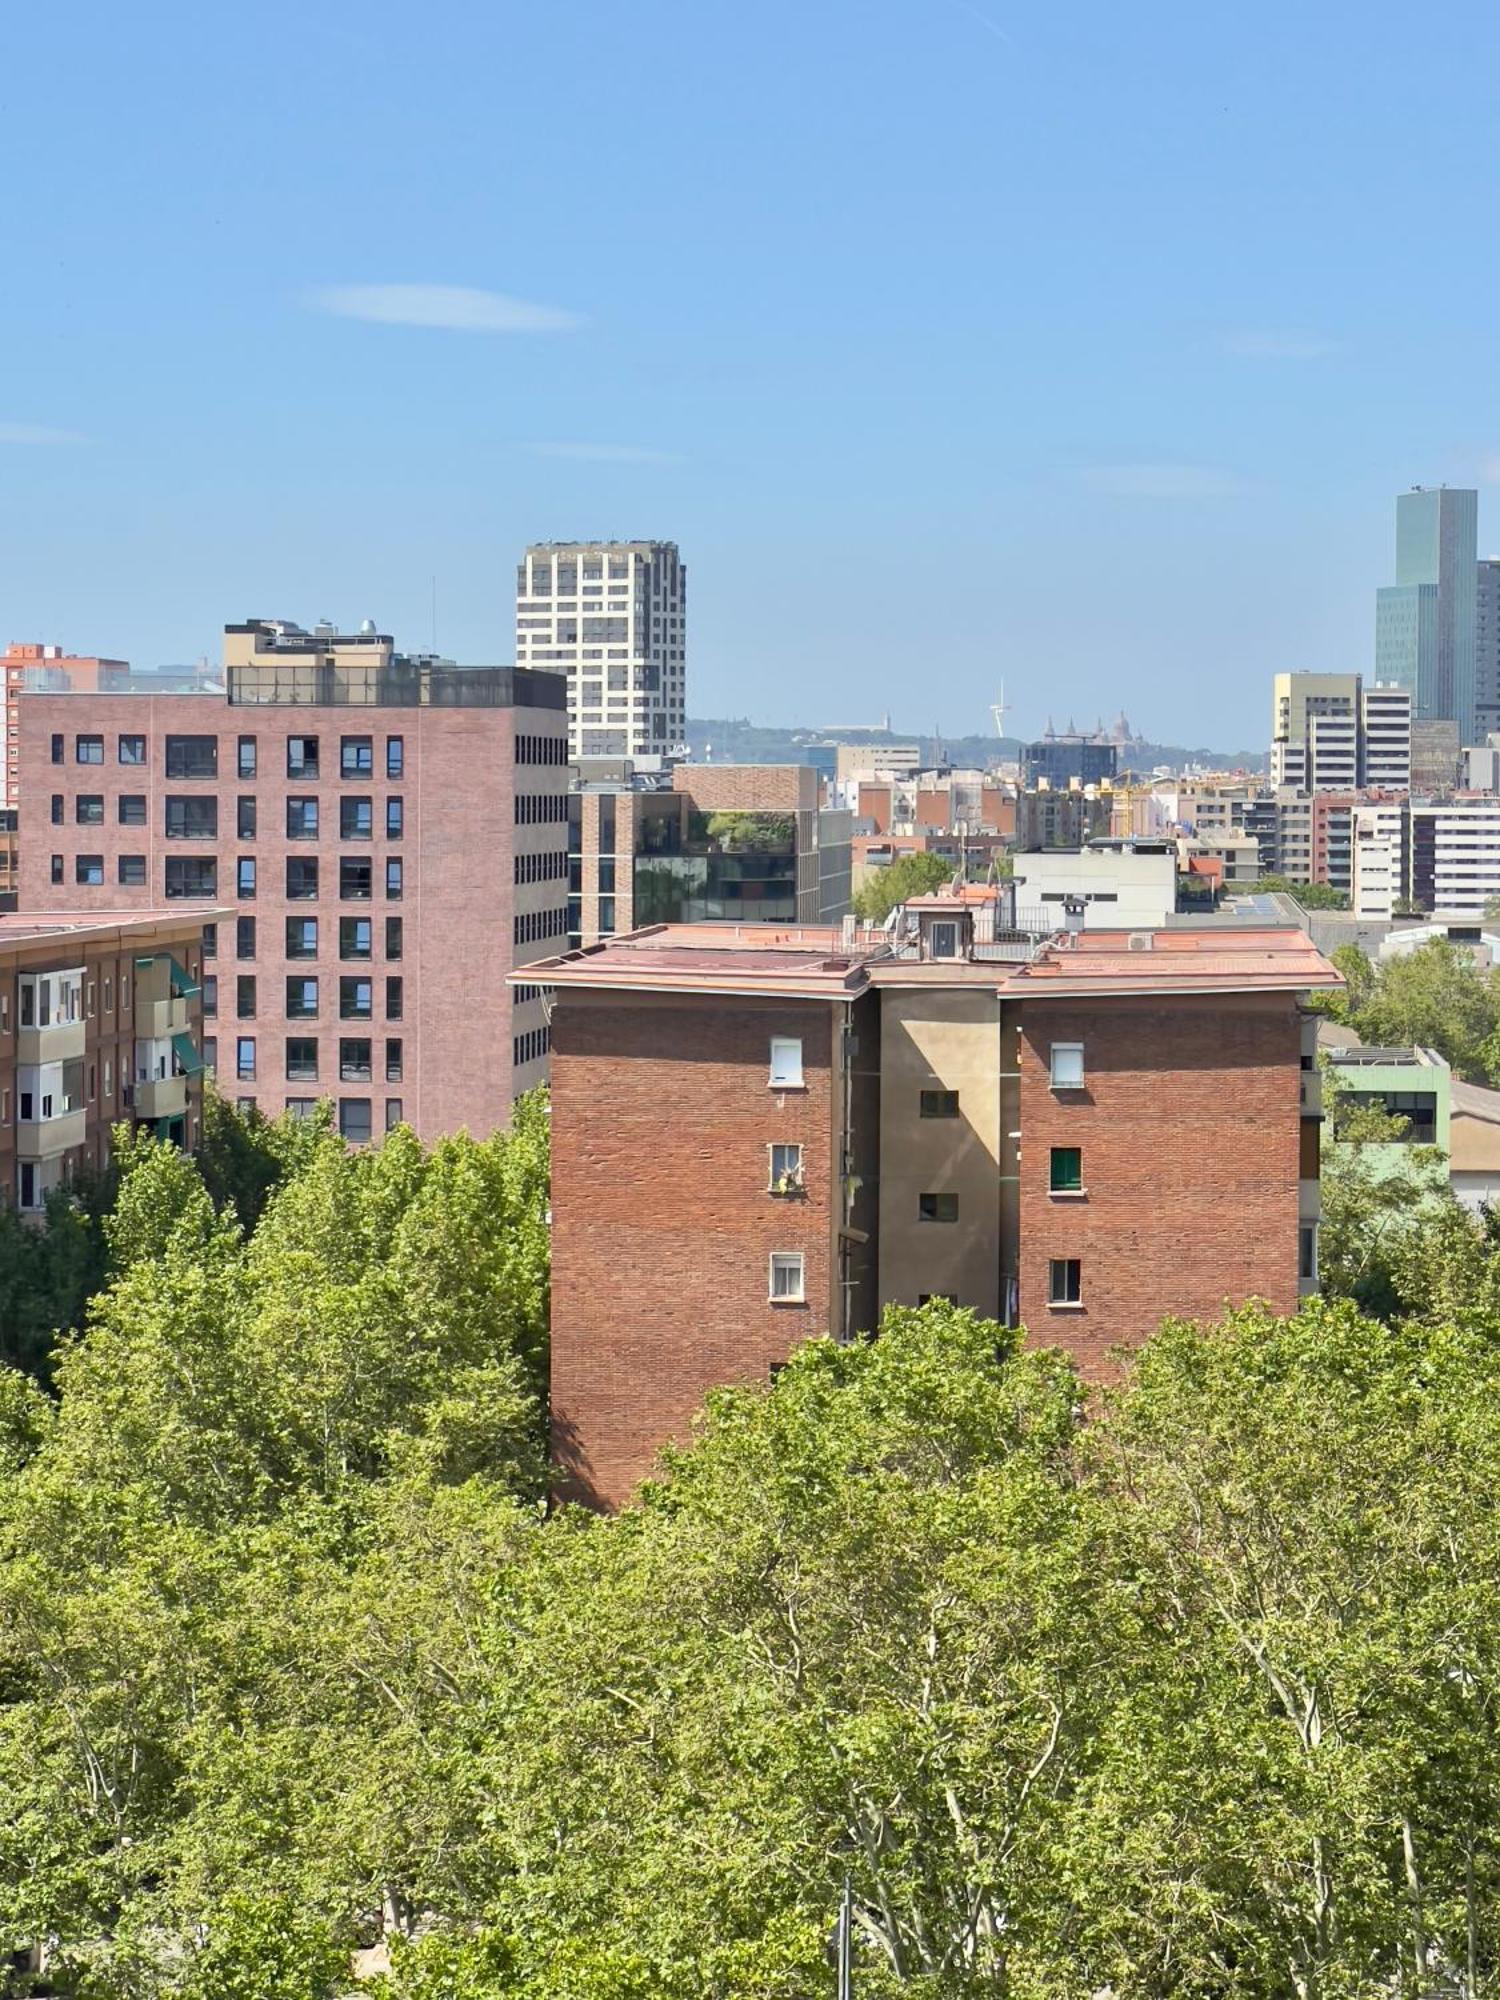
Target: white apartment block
(612, 616)
(1386, 716)
(1378, 875)
(1332, 733)
(1455, 856)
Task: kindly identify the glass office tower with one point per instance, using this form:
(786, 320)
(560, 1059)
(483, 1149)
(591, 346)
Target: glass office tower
(1425, 624)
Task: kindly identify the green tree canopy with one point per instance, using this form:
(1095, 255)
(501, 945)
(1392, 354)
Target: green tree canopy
(909, 875)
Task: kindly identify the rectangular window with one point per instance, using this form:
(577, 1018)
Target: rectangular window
(59, 809)
(393, 993)
(1064, 1281)
(244, 1058)
(355, 999)
(132, 750)
(245, 758)
(786, 1062)
(244, 877)
(210, 997)
(301, 880)
(132, 809)
(939, 1104)
(88, 749)
(786, 1276)
(395, 818)
(354, 1120)
(244, 996)
(88, 869)
(354, 937)
(132, 871)
(245, 819)
(1307, 1252)
(356, 819)
(244, 937)
(395, 756)
(301, 1107)
(392, 1113)
(1066, 1171)
(192, 818)
(356, 756)
(937, 1208)
(301, 999)
(302, 756)
(393, 879)
(191, 875)
(393, 935)
(301, 1059)
(210, 940)
(88, 809)
(301, 819)
(192, 756)
(1066, 1060)
(301, 937)
(59, 755)
(393, 1059)
(786, 1169)
(354, 1059)
(354, 880)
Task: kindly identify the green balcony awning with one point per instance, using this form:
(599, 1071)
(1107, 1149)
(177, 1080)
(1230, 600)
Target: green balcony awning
(186, 1054)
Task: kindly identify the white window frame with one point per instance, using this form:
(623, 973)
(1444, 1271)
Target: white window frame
(942, 938)
(786, 1062)
(1054, 1303)
(1058, 1071)
(792, 1170)
(795, 1264)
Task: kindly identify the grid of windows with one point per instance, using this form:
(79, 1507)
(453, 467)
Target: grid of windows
(541, 750)
(540, 868)
(530, 1047)
(540, 808)
(534, 925)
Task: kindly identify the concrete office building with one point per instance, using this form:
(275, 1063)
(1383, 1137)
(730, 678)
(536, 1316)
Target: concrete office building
(734, 843)
(100, 1021)
(1436, 756)
(1070, 757)
(612, 618)
(1121, 884)
(1425, 623)
(1487, 647)
(390, 834)
(857, 1121)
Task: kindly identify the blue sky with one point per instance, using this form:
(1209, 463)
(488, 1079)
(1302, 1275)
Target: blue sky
(1084, 347)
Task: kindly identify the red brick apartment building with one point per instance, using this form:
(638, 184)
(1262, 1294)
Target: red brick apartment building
(389, 836)
(758, 1137)
(99, 1022)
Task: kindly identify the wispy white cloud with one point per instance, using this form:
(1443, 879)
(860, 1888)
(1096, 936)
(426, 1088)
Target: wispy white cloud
(455, 308)
(37, 434)
(1152, 481)
(1264, 344)
(607, 454)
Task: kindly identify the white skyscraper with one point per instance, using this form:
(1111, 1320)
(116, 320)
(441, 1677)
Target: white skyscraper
(613, 617)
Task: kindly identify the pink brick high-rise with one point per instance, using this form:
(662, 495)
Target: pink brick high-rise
(391, 833)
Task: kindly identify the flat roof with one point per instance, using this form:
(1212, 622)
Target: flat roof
(73, 927)
(817, 961)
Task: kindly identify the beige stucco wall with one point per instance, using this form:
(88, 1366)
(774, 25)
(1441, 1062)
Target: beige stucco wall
(940, 1041)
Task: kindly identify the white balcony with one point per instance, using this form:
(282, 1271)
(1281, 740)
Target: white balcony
(50, 1138)
(163, 1097)
(62, 1041)
(156, 1020)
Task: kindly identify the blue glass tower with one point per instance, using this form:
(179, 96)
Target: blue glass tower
(1425, 624)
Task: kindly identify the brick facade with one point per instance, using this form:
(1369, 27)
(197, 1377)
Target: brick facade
(1188, 1124)
(663, 1225)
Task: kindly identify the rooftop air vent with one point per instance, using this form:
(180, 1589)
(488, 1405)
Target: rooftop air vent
(1141, 941)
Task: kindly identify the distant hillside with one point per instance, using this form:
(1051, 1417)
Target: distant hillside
(739, 741)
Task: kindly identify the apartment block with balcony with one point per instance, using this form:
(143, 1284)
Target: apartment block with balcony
(860, 1118)
(388, 835)
(99, 1022)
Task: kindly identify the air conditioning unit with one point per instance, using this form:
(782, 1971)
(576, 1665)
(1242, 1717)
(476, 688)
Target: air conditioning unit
(1141, 941)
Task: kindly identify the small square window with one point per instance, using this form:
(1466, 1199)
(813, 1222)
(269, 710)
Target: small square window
(301, 879)
(937, 1208)
(301, 937)
(1067, 1065)
(356, 819)
(88, 809)
(354, 1120)
(1064, 1282)
(1066, 1170)
(132, 871)
(302, 756)
(301, 1059)
(88, 749)
(356, 756)
(88, 869)
(939, 1104)
(301, 819)
(132, 809)
(132, 750)
(355, 999)
(354, 879)
(787, 1276)
(354, 937)
(301, 999)
(354, 1059)
(786, 1062)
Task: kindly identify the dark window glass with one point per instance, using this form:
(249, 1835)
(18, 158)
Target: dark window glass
(354, 1060)
(88, 869)
(132, 871)
(393, 992)
(395, 756)
(192, 756)
(191, 875)
(246, 761)
(354, 880)
(395, 818)
(939, 1104)
(245, 877)
(244, 1057)
(132, 749)
(301, 937)
(1066, 1175)
(302, 756)
(132, 808)
(354, 1120)
(301, 1059)
(356, 756)
(210, 996)
(59, 805)
(392, 1113)
(59, 754)
(191, 818)
(301, 879)
(301, 999)
(210, 940)
(1064, 1281)
(355, 999)
(244, 996)
(57, 868)
(393, 1060)
(354, 937)
(937, 1207)
(393, 937)
(245, 819)
(88, 749)
(393, 879)
(244, 937)
(301, 819)
(356, 820)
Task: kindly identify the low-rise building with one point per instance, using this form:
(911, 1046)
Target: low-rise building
(857, 1119)
(1120, 884)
